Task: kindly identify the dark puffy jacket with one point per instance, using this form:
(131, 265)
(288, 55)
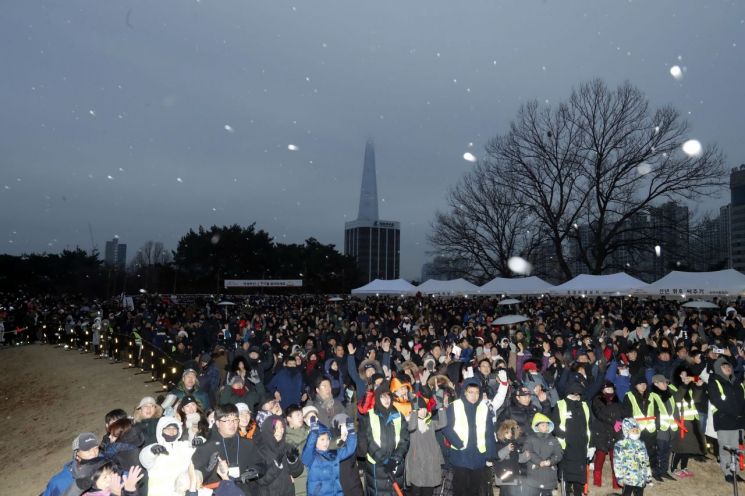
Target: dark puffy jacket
(377, 480)
(523, 415)
(605, 414)
(289, 382)
(323, 467)
(466, 454)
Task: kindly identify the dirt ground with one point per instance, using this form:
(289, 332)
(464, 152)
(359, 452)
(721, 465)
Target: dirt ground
(50, 395)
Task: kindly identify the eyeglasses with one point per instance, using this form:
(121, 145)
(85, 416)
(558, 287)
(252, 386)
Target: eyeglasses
(233, 420)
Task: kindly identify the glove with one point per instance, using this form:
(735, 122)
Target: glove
(339, 419)
(158, 449)
(198, 441)
(314, 423)
(253, 377)
(392, 466)
(249, 475)
(292, 455)
(280, 458)
(590, 453)
(502, 375)
(350, 425)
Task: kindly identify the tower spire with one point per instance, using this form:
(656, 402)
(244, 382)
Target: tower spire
(369, 191)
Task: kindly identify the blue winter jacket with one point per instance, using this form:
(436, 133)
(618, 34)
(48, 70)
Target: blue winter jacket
(290, 384)
(59, 483)
(323, 466)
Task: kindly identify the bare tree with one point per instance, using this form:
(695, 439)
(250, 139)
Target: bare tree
(152, 253)
(487, 224)
(589, 168)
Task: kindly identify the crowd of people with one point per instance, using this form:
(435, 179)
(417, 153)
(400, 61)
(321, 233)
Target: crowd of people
(295, 395)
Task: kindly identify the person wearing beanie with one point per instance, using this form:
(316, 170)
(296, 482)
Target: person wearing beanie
(607, 414)
(727, 395)
(543, 456)
(665, 412)
(387, 437)
(246, 425)
(470, 432)
(189, 386)
(572, 420)
(521, 409)
(637, 405)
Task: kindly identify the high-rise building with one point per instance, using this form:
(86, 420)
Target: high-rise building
(737, 217)
(670, 223)
(374, 243)
(115, 254)
(725, 233)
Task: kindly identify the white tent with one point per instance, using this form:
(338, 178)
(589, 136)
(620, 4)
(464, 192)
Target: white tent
(386, 287)
(453, 287)
(686, 284)
(518, 286)
(605, 285)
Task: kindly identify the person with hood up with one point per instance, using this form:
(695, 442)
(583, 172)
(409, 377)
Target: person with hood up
(607, 413)
(209, 377)
(387, 443)
(402, 391)
(638, 405)
(289, 382)
(332, 371)
(322, 463)
(470, 432)
(543, 452)
(572, 419)
(125, 443)
(727, 397)
(189, 386)
(236, 392)
(509, 458)
(424, 457)
(296, 435)
(630, 459)
(282, 461)
(521, 409)
(167, 461)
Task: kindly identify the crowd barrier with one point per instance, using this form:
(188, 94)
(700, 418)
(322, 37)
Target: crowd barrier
(114, 346)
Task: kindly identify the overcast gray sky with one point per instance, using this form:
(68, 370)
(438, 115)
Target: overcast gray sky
(146, 118)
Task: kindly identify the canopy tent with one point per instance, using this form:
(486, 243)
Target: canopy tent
(718, 283)
(386, 287)
(605, 285)
(518, 286)
(453, 287)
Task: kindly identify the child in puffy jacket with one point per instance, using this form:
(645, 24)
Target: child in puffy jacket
(322, 463)
(630, 460)
(544, 454)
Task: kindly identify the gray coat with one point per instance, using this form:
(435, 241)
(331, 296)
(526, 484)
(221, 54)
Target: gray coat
(424, 457)
(542, 447)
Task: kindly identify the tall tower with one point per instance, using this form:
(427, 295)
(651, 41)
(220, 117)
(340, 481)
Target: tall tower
(374, 243)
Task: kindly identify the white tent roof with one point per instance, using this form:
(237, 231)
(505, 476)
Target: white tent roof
(451, 288)
(386, 286)
(517, 286)
(604, 285)
(718, 283)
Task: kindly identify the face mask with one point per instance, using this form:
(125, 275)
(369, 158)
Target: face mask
(624, 372)
(350, 393)
(635, 436)
(170, 439)
(411, 344)
(192, 418)
(608, 390)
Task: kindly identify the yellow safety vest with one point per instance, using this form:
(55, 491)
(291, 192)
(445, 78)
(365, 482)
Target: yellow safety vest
(721, 393)
(686, 407)
(562, 406)
(461, 424)
(375, 429)
(667, 418)
(645, 421)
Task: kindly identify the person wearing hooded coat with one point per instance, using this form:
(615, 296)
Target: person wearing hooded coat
(168, 460)
(387, 438)
(638, 396)
(282, 461)
(424, 457)
(727, 395)
(572, 420)
(607, 413)
(544, 454)
(323, 465)
(630, 459)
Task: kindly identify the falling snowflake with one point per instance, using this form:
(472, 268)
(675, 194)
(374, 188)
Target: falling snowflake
(215, 239)
(658, 250)
(519, 265)
(110, 177)
(92, 112)
(228, 128)
(692, 148)
(293, 148)
(643, 168)
(179, 180)
(676, 72)
(469, 157)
